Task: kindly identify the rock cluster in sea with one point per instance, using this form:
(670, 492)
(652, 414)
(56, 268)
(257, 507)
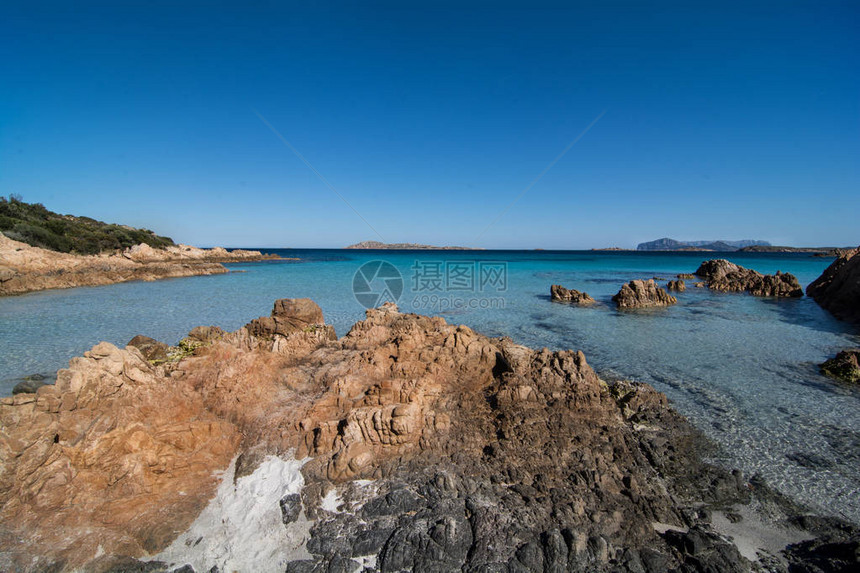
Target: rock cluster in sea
(642, 294)
(562, 294)
(676, 285)
(725, 276)
(838, 287)
(425, 446)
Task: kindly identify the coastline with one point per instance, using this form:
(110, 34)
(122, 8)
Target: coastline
(24, 268)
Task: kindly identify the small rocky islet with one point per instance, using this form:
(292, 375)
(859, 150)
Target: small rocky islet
(561, 294)
(642, 294)
(424, 446)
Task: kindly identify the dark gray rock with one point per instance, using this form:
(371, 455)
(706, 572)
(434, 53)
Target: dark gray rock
(370, 541)
(701, 550)
(291, 507)
(302, 566)
(129, 565)
(397, 502)
(837, 553)
(29, 384)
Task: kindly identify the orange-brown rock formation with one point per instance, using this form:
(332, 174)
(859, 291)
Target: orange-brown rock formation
(24, 268)
(486, 455)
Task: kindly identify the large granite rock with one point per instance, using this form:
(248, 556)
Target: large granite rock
(429, 447)
(844, 366)
(561, 294)
(113, 458)
(725, 276)
(838, 287)
(289, 316)
(642, 294)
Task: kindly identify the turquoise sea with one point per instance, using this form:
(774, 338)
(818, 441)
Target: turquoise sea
(743, 369)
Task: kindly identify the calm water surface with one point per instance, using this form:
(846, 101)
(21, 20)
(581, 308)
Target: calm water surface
(742, 368)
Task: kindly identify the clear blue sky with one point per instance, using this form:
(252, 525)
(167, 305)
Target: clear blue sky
(722, 121)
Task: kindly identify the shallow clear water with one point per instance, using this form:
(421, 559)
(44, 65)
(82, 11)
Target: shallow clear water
(742, 368)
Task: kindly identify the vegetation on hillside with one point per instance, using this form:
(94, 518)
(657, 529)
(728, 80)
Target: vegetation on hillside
(35, 225)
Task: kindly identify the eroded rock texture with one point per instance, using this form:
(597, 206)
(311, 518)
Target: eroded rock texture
(112, 456)
(559, 293)
(838, 287)
(725, 276)
(642, 294)
(432, 448)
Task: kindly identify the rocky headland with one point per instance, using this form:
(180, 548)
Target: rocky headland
(561, 294)
(407, 445)
(725, 276)
(24, 268)
(642, 294)
(838, 288)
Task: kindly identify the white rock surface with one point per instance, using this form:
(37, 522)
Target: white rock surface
(241, 528)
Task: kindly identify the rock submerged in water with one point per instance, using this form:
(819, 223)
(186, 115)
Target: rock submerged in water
(642, 294)
(725, 276)
(678, 285)
(838, 288)
(484, 455)
(844, 366)
(562, 294)
(31, 384)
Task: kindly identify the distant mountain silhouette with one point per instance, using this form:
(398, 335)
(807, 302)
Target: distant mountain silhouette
(667, 244)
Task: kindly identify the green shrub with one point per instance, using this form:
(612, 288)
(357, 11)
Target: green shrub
(34, 224)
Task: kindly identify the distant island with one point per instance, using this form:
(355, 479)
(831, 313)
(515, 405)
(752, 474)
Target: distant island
(744, 246)
(406, 246)
(667, 244)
